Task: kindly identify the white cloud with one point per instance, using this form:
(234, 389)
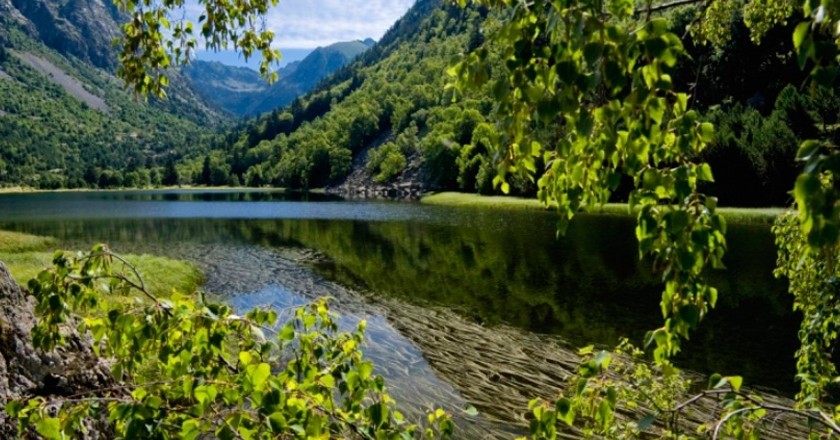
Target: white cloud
(307, 24)
(313, 23)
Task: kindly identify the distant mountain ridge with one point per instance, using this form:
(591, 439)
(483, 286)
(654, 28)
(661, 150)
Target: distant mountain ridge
(241, 91)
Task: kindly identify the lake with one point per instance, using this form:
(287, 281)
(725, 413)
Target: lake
(464, 305)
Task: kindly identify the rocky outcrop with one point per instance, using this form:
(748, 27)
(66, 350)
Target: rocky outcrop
(82, 28)
(70, 370)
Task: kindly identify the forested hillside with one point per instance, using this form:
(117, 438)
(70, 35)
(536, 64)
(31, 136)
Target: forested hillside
(243, 92)
(390, 106)
(389, 117)
(65, 119)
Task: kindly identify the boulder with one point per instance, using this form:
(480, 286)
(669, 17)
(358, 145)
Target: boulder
(69, 370)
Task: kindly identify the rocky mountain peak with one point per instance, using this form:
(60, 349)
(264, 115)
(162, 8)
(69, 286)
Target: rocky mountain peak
(84, 29)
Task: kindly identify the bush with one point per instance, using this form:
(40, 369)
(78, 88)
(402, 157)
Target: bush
(192, 369)
(385, 163)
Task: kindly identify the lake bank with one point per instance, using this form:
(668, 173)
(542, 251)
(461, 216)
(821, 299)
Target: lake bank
(25, 255)
(29, 190)
(453, 199)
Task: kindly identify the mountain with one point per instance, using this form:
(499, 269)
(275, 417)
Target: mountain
(243, 92)
(229, 88)
(83, 29)
(385, 117)
(66, 120)
(387, 123)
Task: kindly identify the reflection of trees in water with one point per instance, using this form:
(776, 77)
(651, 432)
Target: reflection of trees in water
(588, 287)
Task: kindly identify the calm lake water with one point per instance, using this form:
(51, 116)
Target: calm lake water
(459, 301)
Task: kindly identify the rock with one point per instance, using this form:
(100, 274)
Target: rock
(70, 370)
(82, 28)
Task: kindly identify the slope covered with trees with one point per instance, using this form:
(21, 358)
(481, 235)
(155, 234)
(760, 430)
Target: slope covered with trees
(66, 121)
(390, 105)
(389, 117)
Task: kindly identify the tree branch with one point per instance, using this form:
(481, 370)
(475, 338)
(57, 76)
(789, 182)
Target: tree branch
(669, 5)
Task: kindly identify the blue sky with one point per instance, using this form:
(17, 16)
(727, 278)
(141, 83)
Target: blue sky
(302, 25)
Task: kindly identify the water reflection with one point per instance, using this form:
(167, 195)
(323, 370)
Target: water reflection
(492, 268)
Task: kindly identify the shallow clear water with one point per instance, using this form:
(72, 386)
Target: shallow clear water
(460, 301)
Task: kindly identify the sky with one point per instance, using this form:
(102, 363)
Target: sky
(303, 25)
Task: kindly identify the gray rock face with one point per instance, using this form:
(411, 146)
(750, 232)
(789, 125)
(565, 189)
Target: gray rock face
(70, 370)
(82, 28)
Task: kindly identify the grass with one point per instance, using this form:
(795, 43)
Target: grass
(15, 242)
(27, 255)
(733, 215)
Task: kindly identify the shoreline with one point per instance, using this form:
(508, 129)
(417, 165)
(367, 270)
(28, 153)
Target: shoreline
(187, 188)
(765, 216)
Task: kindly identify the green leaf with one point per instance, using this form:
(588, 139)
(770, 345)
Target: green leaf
(735, 381)
(365, 370)
(471, 411)
(593, 51)
(205, 394)
(707, 132)
(715, 381)
(259, 374)
(602, 359)
(287, 333)
(704, 173)
(800, 33)
(807, 149)
(49, 428)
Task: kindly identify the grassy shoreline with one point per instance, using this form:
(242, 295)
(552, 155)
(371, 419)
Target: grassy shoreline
(732, 215)
(26, 255)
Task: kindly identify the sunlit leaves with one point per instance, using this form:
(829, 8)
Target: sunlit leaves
(604, 84)
(812, 277)
(189, 368)
(152, 40)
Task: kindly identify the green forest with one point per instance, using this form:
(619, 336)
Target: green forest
(392, 109)
(50, 139)
(672, 109)
(390, 115)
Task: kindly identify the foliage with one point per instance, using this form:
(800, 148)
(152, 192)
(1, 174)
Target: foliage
(386, 162)
(187, 368)
(813, 283)
(596, 77)
(602, 73)
(152, 39)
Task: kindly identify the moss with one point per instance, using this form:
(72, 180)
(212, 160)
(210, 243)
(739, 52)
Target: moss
(733, 215)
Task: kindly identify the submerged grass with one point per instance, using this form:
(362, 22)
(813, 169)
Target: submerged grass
(733, 215)
(27, 255)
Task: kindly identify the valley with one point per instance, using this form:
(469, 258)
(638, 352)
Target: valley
(492, 219)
